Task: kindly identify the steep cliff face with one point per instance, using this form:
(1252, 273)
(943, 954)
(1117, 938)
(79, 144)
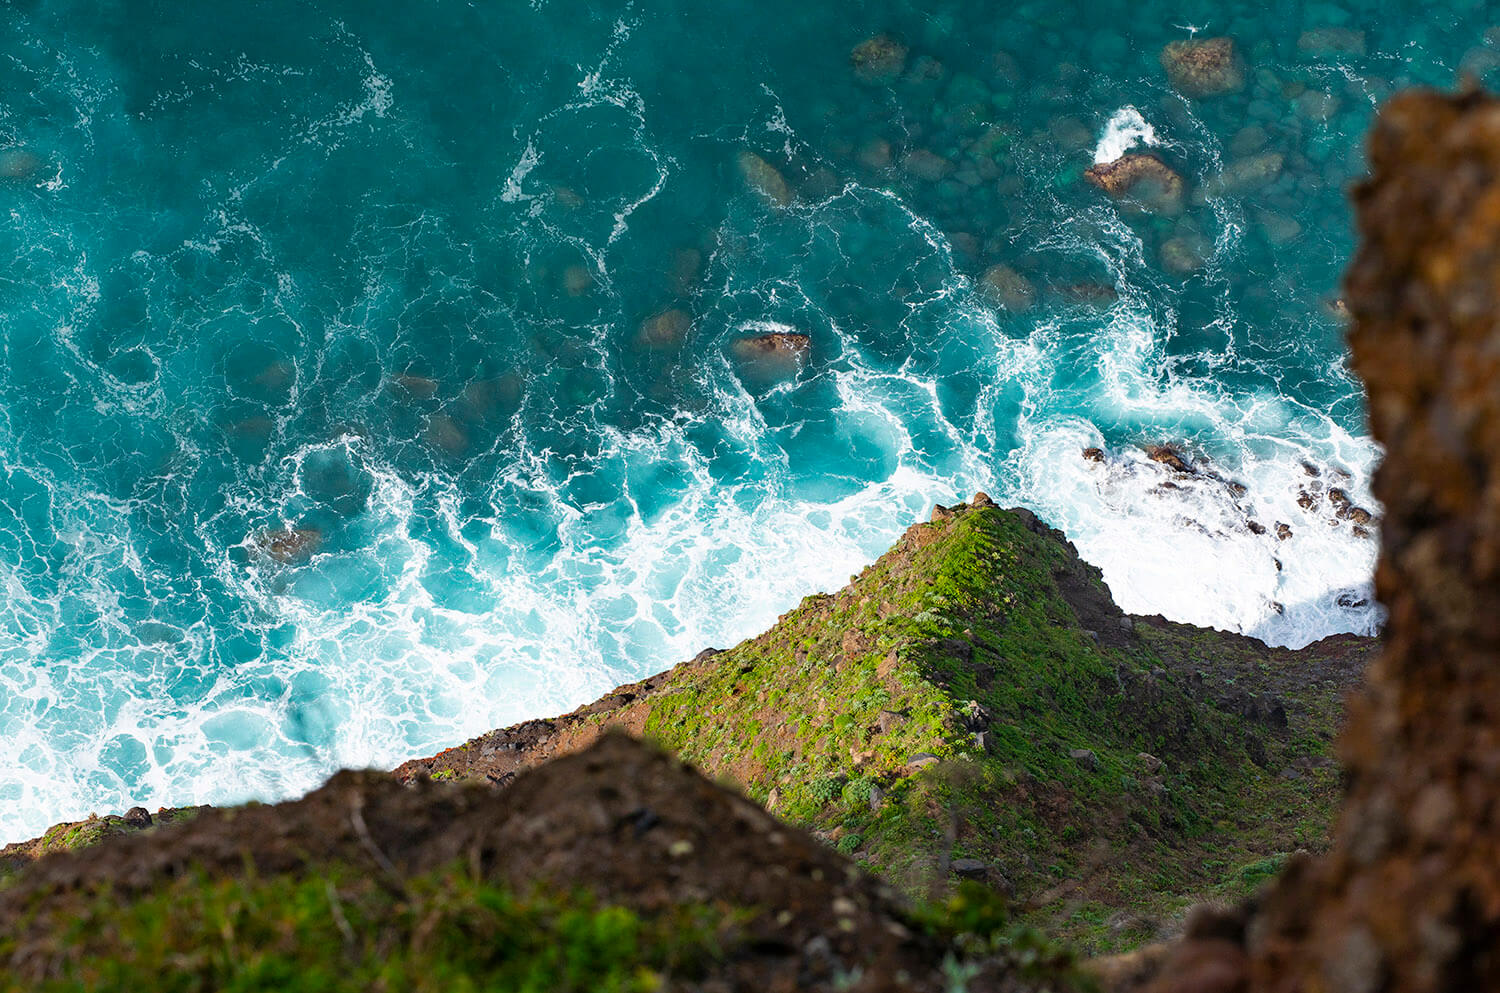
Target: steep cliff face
(1410, 898)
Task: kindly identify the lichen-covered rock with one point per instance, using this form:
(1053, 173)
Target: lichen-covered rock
(1204, 68)
(1140, 178)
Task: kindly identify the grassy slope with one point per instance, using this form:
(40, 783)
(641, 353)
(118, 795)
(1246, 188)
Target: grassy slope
(965, 642)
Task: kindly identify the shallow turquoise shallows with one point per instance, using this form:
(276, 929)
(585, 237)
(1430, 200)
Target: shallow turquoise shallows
(370, 373)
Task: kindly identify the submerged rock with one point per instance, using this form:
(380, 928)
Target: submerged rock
(1182, 255)
(1141, 178)
(1332, 40)
(445, 434)
(1091, 294)
(288, 545)
(1008, 288)
(926, 166)
(18, 163)
(1252, 172)
(879, 59)
(664, 330)
(1206, 68)
(764, 179)
(875, 154)
(780, 353)
(420, 387)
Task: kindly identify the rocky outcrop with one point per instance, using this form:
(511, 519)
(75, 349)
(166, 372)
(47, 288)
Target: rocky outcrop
(620, 821)
(1409, 899)
(1141, 179)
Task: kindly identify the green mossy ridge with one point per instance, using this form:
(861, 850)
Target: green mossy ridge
(344, 930)
(972, 624)
(970, 611)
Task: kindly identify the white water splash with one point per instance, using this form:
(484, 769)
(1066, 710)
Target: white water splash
(1125, 130)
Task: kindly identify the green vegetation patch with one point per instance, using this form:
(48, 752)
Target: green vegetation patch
(345, 930)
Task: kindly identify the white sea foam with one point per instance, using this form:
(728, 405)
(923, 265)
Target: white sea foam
(1125, 129)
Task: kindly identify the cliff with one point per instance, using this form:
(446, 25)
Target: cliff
(972, 709)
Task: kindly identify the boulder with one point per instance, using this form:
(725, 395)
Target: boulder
(764, 179)
(1204, 68)
(1169, 457)
(879, 59)
(1086, 758)
(1004, 286)
(780, 353)
(1141, 178)
(1241, 176)
(969, 869)
(665, 329)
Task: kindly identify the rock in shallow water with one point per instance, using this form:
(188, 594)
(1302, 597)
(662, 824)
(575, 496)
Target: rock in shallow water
(765, 179)
(1003, 285)
(1206, 68)
(288, 545)
(778, 354)
(878, 59)
(664, 330)
(1141, 178)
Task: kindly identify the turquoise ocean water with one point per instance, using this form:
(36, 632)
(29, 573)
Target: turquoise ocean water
(379, 272)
